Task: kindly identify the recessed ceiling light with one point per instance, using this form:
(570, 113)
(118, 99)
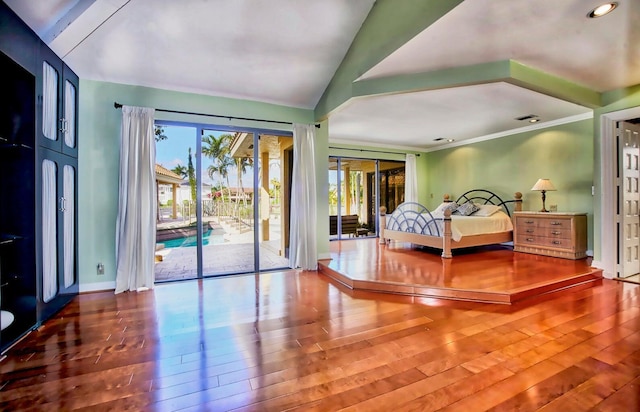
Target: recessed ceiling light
(535, 120)
(451, 140)
(601, 10)
(528, 117)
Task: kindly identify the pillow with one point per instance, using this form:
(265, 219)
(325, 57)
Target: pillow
(466, 209)
(444, 206)
(487, 210)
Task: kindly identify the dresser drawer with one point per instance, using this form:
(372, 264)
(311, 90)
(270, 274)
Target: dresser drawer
(532, 222)
(550, 242)
(553, 234)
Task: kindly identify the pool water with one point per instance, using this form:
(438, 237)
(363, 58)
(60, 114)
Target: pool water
(207, 238)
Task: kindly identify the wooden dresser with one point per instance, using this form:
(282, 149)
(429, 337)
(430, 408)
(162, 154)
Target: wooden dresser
(562, 235)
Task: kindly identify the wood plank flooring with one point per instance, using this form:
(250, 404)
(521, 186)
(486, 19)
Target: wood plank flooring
(486, 274)
(295, 341)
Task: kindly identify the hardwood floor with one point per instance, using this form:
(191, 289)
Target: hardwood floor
(299, 341)
(485, 274)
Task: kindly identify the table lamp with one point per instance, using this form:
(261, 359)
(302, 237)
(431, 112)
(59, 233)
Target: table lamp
(543, 185)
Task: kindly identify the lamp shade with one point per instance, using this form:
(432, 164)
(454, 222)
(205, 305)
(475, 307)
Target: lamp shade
(544, 185)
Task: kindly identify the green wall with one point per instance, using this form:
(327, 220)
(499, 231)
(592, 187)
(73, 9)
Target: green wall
(514, 163)
(98, 136)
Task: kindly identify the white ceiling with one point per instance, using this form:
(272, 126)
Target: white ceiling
(287, 51)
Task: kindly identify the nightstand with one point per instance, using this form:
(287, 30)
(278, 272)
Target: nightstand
(562, 235)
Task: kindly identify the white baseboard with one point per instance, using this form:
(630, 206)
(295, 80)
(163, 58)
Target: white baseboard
(96, 287)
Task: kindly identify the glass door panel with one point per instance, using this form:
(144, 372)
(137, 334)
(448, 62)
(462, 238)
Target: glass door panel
(391, 177)
(334, 196)
(176, 220)
(360, 195)
(351, 193)
(228, 170)
(357, 190)
(274, 185)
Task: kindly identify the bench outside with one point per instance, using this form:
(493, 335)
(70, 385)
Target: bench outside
(349, 224)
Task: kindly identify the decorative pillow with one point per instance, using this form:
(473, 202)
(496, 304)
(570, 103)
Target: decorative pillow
(487, 210)
(466, 209)
(444, 206)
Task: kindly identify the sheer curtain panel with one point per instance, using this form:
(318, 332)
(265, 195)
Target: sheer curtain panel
(136, 226)
(411, 179)
(69, 190)
(303, 251)
(70, 114)
(49, 101)
(49, 231)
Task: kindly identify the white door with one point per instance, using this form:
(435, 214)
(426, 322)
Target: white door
(629, 151)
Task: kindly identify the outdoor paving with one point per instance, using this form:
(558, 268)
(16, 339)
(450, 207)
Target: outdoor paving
(235, 255)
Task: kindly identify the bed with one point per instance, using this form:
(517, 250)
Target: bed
(478, 217)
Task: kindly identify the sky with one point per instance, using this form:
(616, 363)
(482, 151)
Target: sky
(174, 151)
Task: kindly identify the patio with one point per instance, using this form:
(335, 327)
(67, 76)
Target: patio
(230, 251)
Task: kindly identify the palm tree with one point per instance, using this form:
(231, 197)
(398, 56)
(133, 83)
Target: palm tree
(180, 171)
(241, 166)
(217, 149)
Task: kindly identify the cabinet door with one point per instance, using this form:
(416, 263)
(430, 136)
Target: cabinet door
(69, 109)
(57, 267)
(49, 92)
(57, 104)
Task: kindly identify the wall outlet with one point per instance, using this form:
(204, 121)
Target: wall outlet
(100, 269)
(553, 208)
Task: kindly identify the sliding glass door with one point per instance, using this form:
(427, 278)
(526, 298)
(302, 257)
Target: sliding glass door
(357, 189)
(223, 205)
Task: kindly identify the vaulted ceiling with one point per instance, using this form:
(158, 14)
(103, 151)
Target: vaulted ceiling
(468, 74)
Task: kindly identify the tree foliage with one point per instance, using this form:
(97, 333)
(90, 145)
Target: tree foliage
(159, 134)
(191, 174)
(181, 171)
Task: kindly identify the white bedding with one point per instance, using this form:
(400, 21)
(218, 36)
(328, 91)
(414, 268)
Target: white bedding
(477, 225)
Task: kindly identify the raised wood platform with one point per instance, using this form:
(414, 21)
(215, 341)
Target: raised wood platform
(494, 274)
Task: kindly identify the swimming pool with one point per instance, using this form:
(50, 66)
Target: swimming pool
(208, 237)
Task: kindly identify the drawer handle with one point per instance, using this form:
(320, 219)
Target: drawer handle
(530, 239)
(528, 222)
(556, 233)
(529, 230)
(556, 242)
(556, 223)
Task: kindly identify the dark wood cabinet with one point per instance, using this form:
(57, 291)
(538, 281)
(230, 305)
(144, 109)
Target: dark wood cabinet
(38, 219)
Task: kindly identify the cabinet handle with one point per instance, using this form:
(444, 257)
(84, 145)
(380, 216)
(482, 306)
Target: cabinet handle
(556, 223)
(63, 125)
(63, 204)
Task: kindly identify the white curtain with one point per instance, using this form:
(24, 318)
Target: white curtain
(49, 101)
(303, 250)
(49, 231)
(68, 176)
(136, 225)
(410, 179)
(70, 114)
